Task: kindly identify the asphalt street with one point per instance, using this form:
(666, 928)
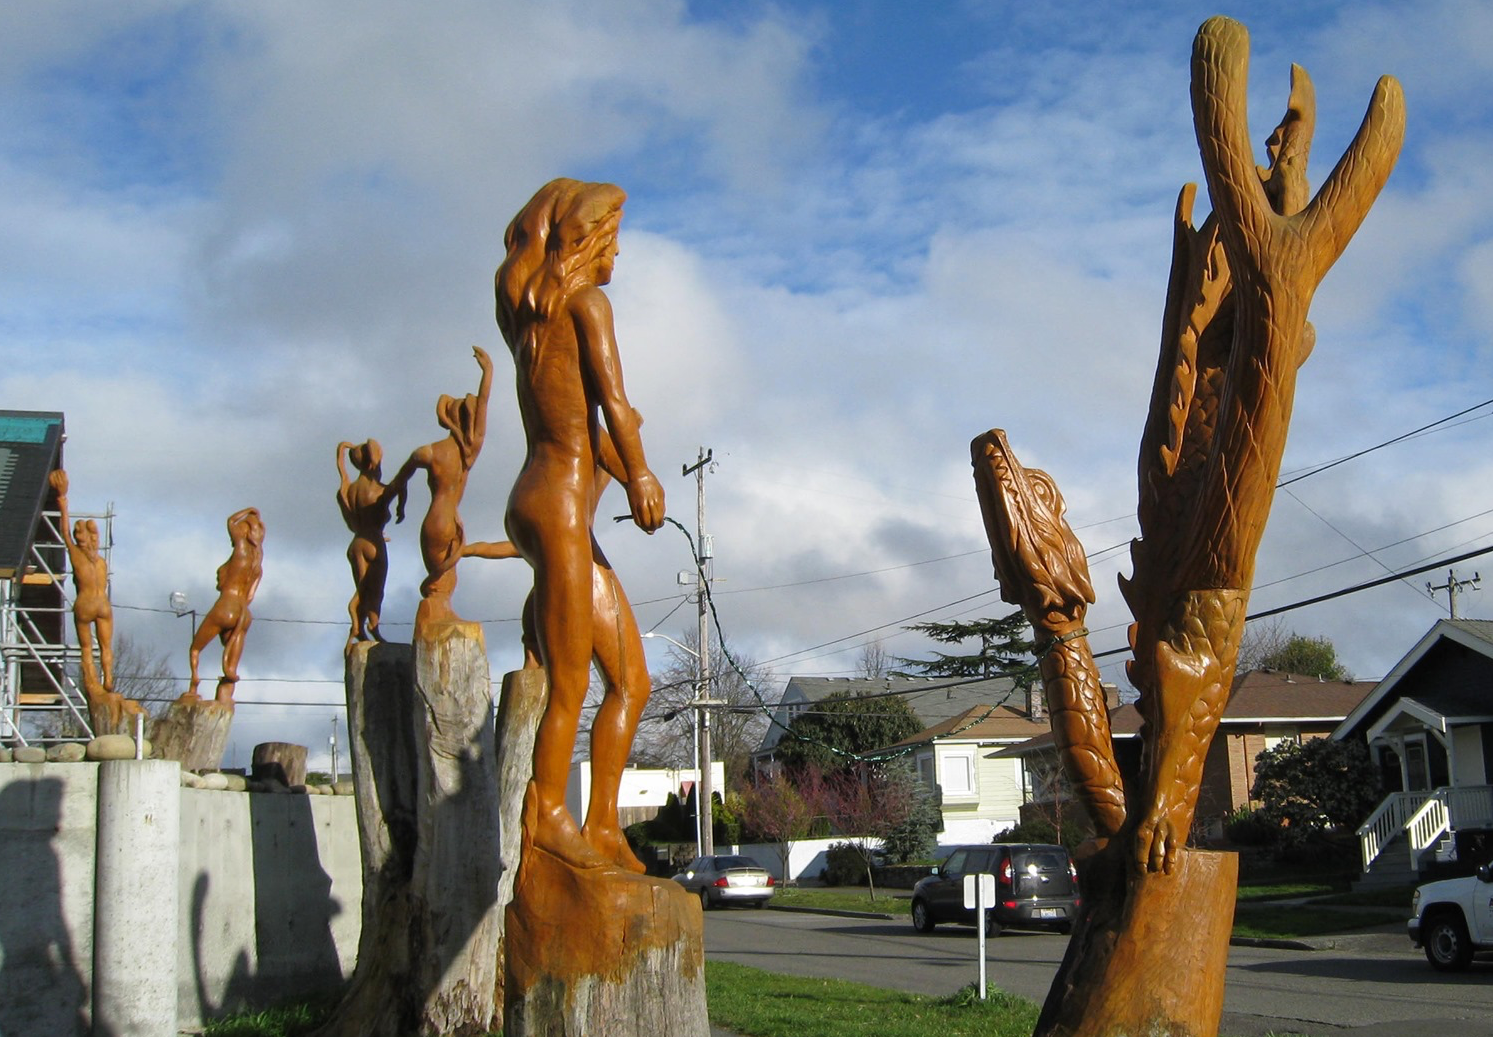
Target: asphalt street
(1362, 985)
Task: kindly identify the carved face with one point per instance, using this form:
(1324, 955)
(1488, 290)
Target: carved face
(606, 257)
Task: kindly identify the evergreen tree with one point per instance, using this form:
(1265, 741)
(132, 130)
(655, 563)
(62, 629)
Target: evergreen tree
(848, 723)
(1005, 650)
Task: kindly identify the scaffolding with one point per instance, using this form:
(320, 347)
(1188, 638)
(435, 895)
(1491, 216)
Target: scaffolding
(41, 701)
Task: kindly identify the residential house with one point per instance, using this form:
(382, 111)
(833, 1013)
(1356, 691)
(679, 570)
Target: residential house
(1429, 726)
(1265, 708)
(980, 790)
(932, 699)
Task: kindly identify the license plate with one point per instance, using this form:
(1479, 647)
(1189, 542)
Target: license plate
(1048, 912)
(747, 880)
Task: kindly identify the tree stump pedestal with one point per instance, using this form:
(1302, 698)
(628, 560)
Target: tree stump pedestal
(601, 951)
(194, 732)
(1150, 964)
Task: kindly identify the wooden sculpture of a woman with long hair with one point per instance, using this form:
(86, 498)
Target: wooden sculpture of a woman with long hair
(558, 324)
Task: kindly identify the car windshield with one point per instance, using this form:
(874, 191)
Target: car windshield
(725, 863)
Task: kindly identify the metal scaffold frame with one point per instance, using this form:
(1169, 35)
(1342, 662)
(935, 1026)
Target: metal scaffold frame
(39, 673)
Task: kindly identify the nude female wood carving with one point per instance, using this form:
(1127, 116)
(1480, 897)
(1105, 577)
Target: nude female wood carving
(1234, 333)
(447, 463)
(229, 618)
(558, 324)
(365, 503)
(93, 616)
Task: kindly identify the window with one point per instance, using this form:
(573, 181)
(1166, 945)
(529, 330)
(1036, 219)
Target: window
(959, 774)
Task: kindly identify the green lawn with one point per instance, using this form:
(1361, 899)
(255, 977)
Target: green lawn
(755, 1003)
(843, 899)
(765, 1004)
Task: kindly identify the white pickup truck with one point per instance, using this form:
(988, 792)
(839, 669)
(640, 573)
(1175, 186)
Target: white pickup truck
(1453, 919)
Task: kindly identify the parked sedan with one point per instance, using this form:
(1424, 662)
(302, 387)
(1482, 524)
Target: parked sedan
(727, 880)
(1036, 888)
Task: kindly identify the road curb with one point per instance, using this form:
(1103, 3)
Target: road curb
(833, 911)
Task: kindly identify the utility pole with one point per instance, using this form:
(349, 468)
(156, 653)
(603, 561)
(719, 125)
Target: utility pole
(704, 551)
(1451, 586)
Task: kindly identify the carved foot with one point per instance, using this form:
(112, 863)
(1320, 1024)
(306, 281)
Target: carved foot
(1159, 840)
(554, 831)
(612, 844)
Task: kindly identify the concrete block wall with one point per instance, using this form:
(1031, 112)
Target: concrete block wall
(267, 905)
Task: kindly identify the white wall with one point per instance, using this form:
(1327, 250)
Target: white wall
(640, 787)
(269, 898)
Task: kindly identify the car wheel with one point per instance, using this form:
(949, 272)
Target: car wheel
(704, 900)
(992, 927)
(759, 904)
(922, 921)
(1448, 948)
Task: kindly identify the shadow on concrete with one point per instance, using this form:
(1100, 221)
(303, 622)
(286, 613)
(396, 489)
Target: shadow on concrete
(43, 991)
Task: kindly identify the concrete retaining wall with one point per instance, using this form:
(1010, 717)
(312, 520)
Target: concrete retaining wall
(269, 893)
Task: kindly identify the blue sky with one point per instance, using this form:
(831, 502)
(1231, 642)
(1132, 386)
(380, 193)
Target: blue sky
(857, 236)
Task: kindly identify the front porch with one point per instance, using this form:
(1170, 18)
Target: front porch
(1411, 830)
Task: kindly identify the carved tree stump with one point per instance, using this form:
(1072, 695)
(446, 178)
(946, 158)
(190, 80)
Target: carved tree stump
(1150, 958)
(422, 741)
(522, 704)
(194, 732)
(284, 762)
(110, 713)
(638, 970)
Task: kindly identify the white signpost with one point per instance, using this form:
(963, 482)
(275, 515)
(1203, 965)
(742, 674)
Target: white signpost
(979, 893)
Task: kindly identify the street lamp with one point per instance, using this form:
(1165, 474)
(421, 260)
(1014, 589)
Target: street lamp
(181, 608)
(704, 820)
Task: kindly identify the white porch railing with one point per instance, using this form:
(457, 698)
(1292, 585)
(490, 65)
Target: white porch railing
(1387, 822)
(1426, 827)
(1424, 817)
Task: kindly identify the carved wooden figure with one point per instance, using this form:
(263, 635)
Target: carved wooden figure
(639, 970)
(229, 618)
(446, 463)
(365, 503)
(1149, 953)
(93, 617)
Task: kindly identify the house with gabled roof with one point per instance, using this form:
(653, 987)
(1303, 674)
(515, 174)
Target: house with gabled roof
(1265, 708)
(979, 790)
(1429, 726)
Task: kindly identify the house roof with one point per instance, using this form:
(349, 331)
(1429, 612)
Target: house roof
(1258, 697)
(980, 724)
(30, 448)
(933, 700)
(1446, 672)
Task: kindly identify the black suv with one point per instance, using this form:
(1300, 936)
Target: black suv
(1036, 887)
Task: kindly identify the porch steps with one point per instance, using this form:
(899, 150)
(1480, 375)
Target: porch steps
(1391, 868)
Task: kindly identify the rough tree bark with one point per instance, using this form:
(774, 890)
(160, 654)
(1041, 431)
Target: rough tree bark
(424, 767)
(1148, 954)
(194, 732)
(284, 762)
(519, 709)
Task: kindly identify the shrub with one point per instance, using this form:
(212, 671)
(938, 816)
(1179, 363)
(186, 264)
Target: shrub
(1246, 827)
(844, 865)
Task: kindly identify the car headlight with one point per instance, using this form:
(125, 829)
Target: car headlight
(1415, 905)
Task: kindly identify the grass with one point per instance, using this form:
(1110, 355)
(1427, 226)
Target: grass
(1287, 890)
(841, 900)
(765, 1004)
(1389, 896)
(1298, 920)
(756, 1003)
(289, 1021)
